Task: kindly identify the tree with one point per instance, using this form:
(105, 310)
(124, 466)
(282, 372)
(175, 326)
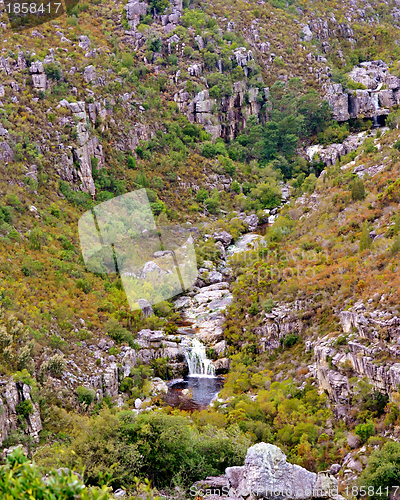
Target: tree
(357, 189)
(365, 240)
(383, 470)
(364, 431)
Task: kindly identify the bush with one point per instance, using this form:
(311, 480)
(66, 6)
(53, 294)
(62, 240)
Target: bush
(365, 240)
(118, 333)
(21, 478)
(290, 340)
(53, 71)
(201, 195)
(383, 470)
(357, 190)
(24, 408)
(85, 395)
(211, 150)
(365, 431)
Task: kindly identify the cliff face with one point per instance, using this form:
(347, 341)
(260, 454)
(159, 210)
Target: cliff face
(373, 352)
(13, 395)
(382, 92)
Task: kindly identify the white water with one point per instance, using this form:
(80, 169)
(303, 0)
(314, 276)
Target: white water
(375, 100)
(199, 365)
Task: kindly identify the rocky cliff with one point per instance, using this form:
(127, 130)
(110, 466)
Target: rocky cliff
(17, 410)
(266, 474)
(380, 93)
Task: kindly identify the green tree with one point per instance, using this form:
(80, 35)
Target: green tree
(383, 470)
(364, 431)
(357, 189)
(365, 240)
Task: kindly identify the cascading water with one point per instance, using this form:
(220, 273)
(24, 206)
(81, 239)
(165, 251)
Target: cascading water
(199, 365)
(375, 100)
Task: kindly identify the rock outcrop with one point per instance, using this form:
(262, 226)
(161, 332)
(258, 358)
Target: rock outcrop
(382, 92)
(330, 154)
(224, 117)
(39, 76)
(370, 337)
(266, 474)
(88, 147)
(12, 395)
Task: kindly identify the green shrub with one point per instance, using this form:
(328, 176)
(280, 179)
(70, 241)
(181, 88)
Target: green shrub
(85, 395)
(365, 431)
(357, 189)
(365, 240)
(267, 305)
(254, 309)
(118, 333)
(22, 479)
(290, 340)
(24, 408)
(383, 470)
(53, 71)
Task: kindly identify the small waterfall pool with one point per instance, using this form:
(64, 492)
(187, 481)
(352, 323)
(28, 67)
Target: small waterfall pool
(202, 390)
(198, 363)
(200, 386)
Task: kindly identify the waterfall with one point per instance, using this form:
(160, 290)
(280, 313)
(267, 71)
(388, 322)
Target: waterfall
(199, 365)
(375, 100)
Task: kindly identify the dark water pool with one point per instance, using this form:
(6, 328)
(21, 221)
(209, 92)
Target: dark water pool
(204, 390)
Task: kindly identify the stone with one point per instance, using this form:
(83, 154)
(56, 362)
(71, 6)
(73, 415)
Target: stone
(353, 441)
(215, 277)
(195, 69)
(2, 91)
(266, 471)
(335, 468)
(84, 42)
(224, 237)
(221, 248)
(211, 482)
(252, 222)
(134, 12)
(200, 42)
(158, 386)
(146, 308)
(21, 61)
(89, 73)
(307, 33)
(120, 493)
(5, 65)
(39, 77)
(222, 365)
(6, 153)
(150, 335)
(354, 465)
(138, 403)
(150, 268)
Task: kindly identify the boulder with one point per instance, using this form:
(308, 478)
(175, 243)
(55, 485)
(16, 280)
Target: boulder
(252, 222)
(6, 153)
(89, 74)
(84, 42)
(267, 471)
(146, 308)
(215, 277)
(39, 77)
(224, 237)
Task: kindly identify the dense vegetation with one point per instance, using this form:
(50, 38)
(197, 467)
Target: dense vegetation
(318, 255)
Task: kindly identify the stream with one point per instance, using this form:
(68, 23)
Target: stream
(203, 316)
